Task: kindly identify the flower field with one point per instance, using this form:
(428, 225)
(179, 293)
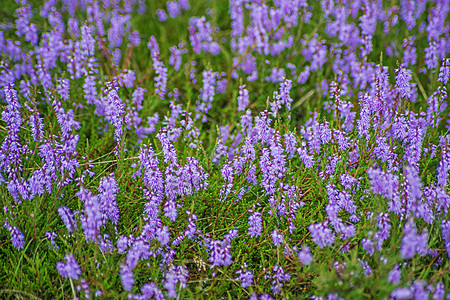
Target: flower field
(241, 149)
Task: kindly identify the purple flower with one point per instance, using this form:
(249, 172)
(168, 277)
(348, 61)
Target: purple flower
(51, 236)
(63, 88)
(255, 224)
(175, 56)
(414, 183)
(160, 69)
(367, 245)
(23, 25)
(383, 183)
(69, 269)
(17, 237)
(401, 293)
(445, 225)
(219, 253)
(394, 275)
(242, 98)
(278, 277)
(107, 198)
(366, 267)
(207, 93)
(122, 244)
(322, 235)
(173, 8)
(37, 126)
(305, 256)
(127, 277)
(139, 250)
(200, 36)
(277, 237)
(92, 220)
(413, 242)
(409, 54)
(176, 274)
(184, 4)
(67, 218)
(115, 110)
(402, 82)
(444, 71)
(431, 58)
(162, 16)
(384, 226)
(245, 276)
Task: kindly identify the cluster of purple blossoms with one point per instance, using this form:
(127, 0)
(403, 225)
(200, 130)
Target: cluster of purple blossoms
(69, 269)
(321, 234)
(219, 253)
(244, 276)
(201, 36)
(255, 224)
(160, 69)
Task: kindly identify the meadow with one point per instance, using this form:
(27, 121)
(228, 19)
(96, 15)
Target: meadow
(242, 149)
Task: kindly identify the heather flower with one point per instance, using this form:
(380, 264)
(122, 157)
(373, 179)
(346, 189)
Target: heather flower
(439, 291)
(192, 226)
(384, 229)
(163, 235)
(69, 269)
(207, 93)
(347, 181)
(160, 69)
(242, 98)
(219, 253)
(37, 126)
(305, 256)
(115, 111)
(401, 293)
(277, 237)
(308, 160)
(322, 235)
(122, 244)
(139, 250)
(162, 16)
(67, 218)
(367, 269)
(200, 36)
(10, 150)
(245, 276)
(51, 236)
(92, 220)
(237, 18)
(107, 198)
(255, 224)
(278, 276)
(414, 183)
(383, 183)
(444, 71)
(175, 56)
(17, 237)
(367, 245)
(445, 226)
(409, 54)
(127, 277)
(394, 275)
(176, 274)
(402, 82)
(63, 88)
(431, 59)
(413, 242)
(290, 141)
(173, 8)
